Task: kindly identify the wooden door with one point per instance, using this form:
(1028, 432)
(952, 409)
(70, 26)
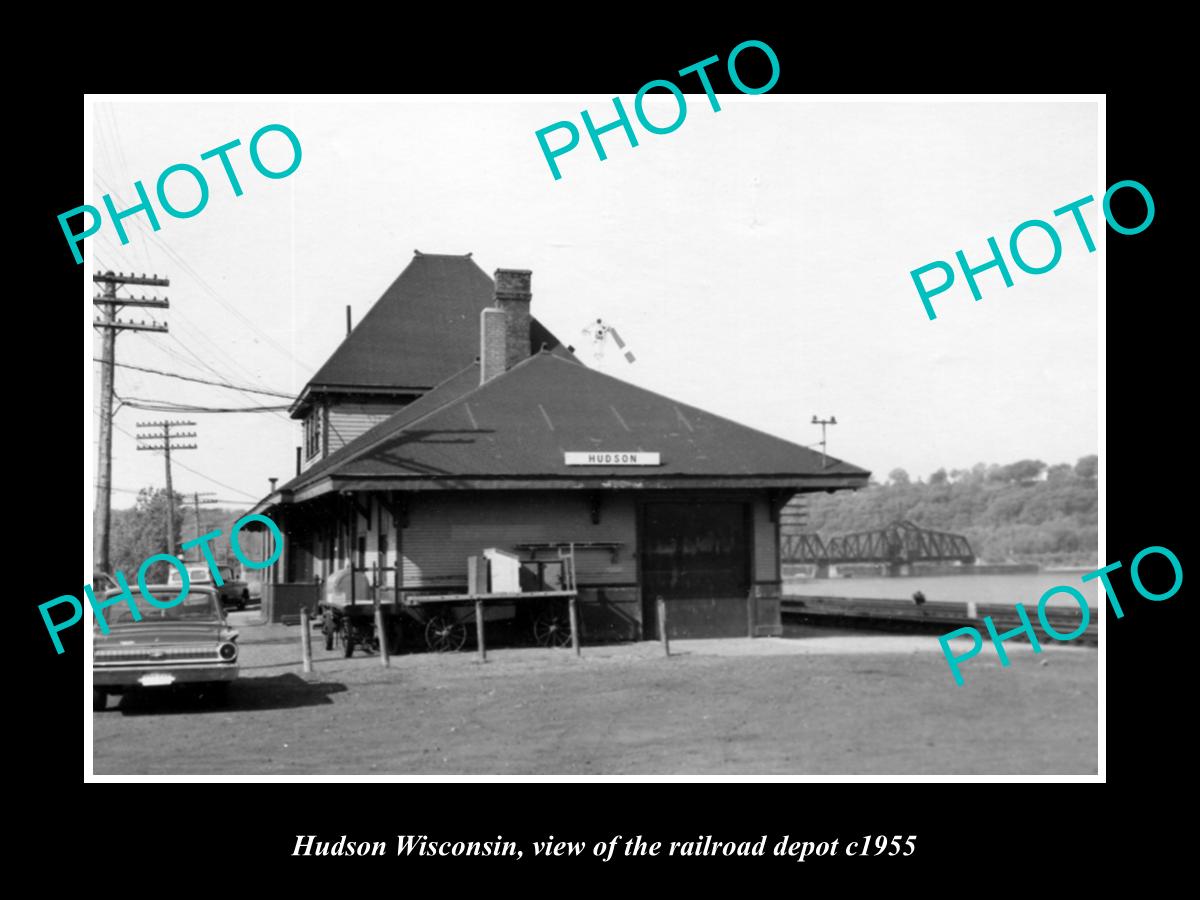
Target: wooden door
(696, 555)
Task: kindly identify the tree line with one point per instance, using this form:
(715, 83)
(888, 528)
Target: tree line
(140, 532)
(1026, 511)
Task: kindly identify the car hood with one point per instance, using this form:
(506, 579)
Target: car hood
(148, 632)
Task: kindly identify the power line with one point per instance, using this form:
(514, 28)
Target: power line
(119, 159)
(178, 259)
(168, 406)
(220, 353)
(214, 371)
(199, 380)
(154, 342)
(155, 238)
(196, 332)
(197, 500)
(228, 487)
(230, 306)
(109, 325)
(167, 447)
(195, 471)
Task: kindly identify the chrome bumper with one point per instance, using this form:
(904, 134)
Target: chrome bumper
(132, 675)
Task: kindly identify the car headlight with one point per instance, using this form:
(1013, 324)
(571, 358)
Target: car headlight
(228, 651)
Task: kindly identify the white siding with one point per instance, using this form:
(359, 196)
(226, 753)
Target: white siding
(348, 422)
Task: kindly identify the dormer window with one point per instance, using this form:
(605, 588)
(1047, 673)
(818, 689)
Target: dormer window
(312, 433)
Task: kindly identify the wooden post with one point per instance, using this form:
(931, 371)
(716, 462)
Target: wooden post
(381, 633)
(662, 624)
(479, 631)
(384, 658)
(305, 639)
(750, 613)
(574, 614)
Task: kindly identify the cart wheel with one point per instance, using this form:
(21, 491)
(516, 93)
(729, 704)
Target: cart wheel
(347, 639)
(444, 635)
(552, 629)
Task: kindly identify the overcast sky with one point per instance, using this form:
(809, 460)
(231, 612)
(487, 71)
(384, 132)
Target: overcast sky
(756, 261)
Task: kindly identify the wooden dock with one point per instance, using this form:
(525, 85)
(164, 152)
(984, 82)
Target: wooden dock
(876, 614)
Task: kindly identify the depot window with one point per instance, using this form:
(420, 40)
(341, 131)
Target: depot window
(312, 434)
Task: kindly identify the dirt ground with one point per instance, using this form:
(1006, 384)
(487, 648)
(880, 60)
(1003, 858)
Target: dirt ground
(808, 704)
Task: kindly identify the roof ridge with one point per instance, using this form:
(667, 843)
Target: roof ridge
(423, 309)
(424, 389)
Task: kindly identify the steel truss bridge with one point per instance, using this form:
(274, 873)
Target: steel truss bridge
(897, 544)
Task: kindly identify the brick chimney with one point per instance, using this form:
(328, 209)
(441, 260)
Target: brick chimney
(512, 297)
(493, 343)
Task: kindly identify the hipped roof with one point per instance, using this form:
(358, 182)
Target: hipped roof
(518, 427)
(419, 332)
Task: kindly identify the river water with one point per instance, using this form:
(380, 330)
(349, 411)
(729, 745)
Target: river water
(1026, 588)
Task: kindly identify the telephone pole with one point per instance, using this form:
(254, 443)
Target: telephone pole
(167, 446)
(199, 497)
(109, 325)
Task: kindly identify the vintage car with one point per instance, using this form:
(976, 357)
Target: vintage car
(189, 644)
(233, 591)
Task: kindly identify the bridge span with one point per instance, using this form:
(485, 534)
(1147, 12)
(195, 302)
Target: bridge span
(897, 545)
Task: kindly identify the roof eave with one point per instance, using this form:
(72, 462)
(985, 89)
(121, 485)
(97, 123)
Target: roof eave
(300, 405)
(313, 390)
(269, 502)
(607, 481)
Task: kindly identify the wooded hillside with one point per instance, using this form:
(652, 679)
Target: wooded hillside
(140, 532)
(1023, 512)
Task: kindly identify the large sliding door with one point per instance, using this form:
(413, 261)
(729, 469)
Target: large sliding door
(696, 556)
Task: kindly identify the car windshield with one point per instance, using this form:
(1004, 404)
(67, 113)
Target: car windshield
(197, 575)
(196, 606)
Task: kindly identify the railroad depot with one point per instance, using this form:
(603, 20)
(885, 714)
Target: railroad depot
(450, 423)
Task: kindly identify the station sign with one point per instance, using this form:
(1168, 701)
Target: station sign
(612, 458)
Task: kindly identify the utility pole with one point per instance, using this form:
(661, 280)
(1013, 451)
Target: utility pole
(167, 446)
(832, 420)
(199, 497)
(109, 325)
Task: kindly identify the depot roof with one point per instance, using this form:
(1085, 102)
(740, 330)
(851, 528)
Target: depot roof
(515, 431)
(418, 333)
